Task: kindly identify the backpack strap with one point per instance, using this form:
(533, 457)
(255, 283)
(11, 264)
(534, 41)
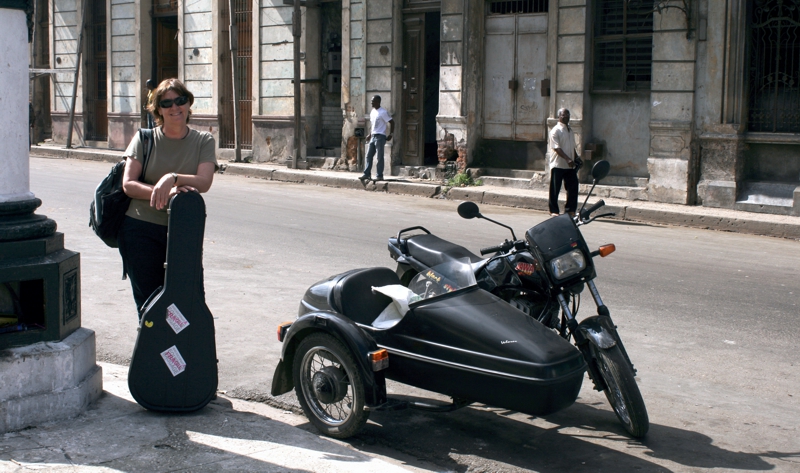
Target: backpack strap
(146, 137)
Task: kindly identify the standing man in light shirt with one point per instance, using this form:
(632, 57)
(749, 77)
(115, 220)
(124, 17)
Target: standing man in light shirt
(562, 165)
(380, 120)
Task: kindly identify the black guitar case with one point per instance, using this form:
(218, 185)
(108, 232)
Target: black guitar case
(174, 362)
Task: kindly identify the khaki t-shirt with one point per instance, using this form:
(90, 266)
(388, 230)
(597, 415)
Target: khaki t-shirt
(168, 155)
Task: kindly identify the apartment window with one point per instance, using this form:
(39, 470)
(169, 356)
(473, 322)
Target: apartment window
(774, 99)
(623, 45)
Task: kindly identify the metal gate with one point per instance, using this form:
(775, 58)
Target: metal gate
(775, 66)
(243, 14)
(515, 65)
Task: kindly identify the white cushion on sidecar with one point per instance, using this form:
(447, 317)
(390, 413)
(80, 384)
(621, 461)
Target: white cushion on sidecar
(395, 311)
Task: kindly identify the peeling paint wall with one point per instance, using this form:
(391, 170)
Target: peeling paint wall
(622, 124)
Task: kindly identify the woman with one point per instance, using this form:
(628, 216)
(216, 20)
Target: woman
(181, 160)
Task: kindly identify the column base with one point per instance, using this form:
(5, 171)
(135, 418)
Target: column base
(48, 381)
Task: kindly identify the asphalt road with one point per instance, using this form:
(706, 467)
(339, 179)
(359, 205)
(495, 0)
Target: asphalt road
(709, 318)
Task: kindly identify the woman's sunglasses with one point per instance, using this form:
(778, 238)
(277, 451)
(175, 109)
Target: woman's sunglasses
(167, 103)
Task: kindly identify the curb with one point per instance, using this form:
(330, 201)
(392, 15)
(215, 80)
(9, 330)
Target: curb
(634, 211)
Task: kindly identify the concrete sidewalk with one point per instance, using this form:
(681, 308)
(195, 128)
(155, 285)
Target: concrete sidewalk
(780, 226)
(116, 434)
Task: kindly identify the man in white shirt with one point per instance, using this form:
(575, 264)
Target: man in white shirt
(380, 121)
(562, 165)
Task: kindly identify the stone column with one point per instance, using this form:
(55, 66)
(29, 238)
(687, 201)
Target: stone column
(14, 180)
(39, 279)
(721, 143)
(671, 160)
(17, 202)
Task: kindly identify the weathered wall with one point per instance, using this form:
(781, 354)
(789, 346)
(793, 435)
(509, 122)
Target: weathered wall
(273, 132)
(570, 69)
(454, 88)
(772, 162)
(124, 63)
(622, 124)
(196, 54)
(671, 159)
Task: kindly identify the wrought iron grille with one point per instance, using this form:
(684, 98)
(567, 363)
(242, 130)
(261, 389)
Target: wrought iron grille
(243, 14)
(774, 101)
(623, 45)
(510, 7)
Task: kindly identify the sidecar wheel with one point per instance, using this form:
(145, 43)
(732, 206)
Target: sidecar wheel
(329, 386)
(622, 391)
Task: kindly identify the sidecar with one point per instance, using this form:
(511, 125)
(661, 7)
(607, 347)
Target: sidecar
(447, 336)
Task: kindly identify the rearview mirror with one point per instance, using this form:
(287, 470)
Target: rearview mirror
(468, 210)
(600, 170)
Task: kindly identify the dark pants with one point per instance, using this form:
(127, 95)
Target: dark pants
(143, 247)
(570, 179)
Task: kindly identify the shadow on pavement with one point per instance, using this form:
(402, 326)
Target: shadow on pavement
(580, 438)
(118, 434)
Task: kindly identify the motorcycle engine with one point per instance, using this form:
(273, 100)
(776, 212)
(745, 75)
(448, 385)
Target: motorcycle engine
(545, 311)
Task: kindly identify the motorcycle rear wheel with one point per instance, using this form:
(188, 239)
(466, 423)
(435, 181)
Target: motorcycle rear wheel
(622, 391)
(329, 386)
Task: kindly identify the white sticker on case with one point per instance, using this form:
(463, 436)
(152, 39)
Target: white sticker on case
(175, 319)
(175, 362)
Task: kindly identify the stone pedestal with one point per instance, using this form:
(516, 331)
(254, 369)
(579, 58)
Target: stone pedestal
(48, 381)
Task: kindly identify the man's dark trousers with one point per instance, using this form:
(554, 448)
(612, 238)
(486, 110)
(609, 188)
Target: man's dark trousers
(570, 179)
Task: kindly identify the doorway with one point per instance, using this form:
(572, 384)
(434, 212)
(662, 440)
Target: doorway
(165, 64)
(96, 116)
(421, 33)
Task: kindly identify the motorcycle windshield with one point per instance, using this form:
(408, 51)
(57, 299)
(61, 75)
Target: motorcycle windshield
(442, 279)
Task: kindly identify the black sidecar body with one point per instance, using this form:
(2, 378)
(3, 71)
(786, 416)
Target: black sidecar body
(463, 342)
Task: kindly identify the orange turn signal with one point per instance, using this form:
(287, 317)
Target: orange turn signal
(379, 359)
(606, 250)
(282, 329)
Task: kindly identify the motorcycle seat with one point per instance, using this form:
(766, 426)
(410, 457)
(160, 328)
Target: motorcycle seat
(432, 250)
(353, 294)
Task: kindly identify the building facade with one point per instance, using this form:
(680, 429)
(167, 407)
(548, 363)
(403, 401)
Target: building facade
(691, 101)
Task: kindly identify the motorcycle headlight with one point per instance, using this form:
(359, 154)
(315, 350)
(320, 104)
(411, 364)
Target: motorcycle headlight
(567, 265)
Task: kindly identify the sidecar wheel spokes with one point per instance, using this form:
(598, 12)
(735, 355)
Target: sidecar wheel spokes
(329, 386)
(622, 391)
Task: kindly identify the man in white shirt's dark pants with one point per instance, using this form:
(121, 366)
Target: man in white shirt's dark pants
(562, 165)
(380, 120)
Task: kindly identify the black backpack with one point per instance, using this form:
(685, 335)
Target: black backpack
(107, 210)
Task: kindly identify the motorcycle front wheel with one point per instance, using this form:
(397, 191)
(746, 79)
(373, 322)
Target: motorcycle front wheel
(622, 391)
(329, 386)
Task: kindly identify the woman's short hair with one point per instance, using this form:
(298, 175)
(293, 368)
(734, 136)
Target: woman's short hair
(165, 85)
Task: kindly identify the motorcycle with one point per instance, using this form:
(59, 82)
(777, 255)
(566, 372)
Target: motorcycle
(497, 330)
(544, 276)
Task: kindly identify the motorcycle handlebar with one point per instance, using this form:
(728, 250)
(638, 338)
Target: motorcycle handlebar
(587, 212)
(596, 206)
(504, 247)
(491, 249)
